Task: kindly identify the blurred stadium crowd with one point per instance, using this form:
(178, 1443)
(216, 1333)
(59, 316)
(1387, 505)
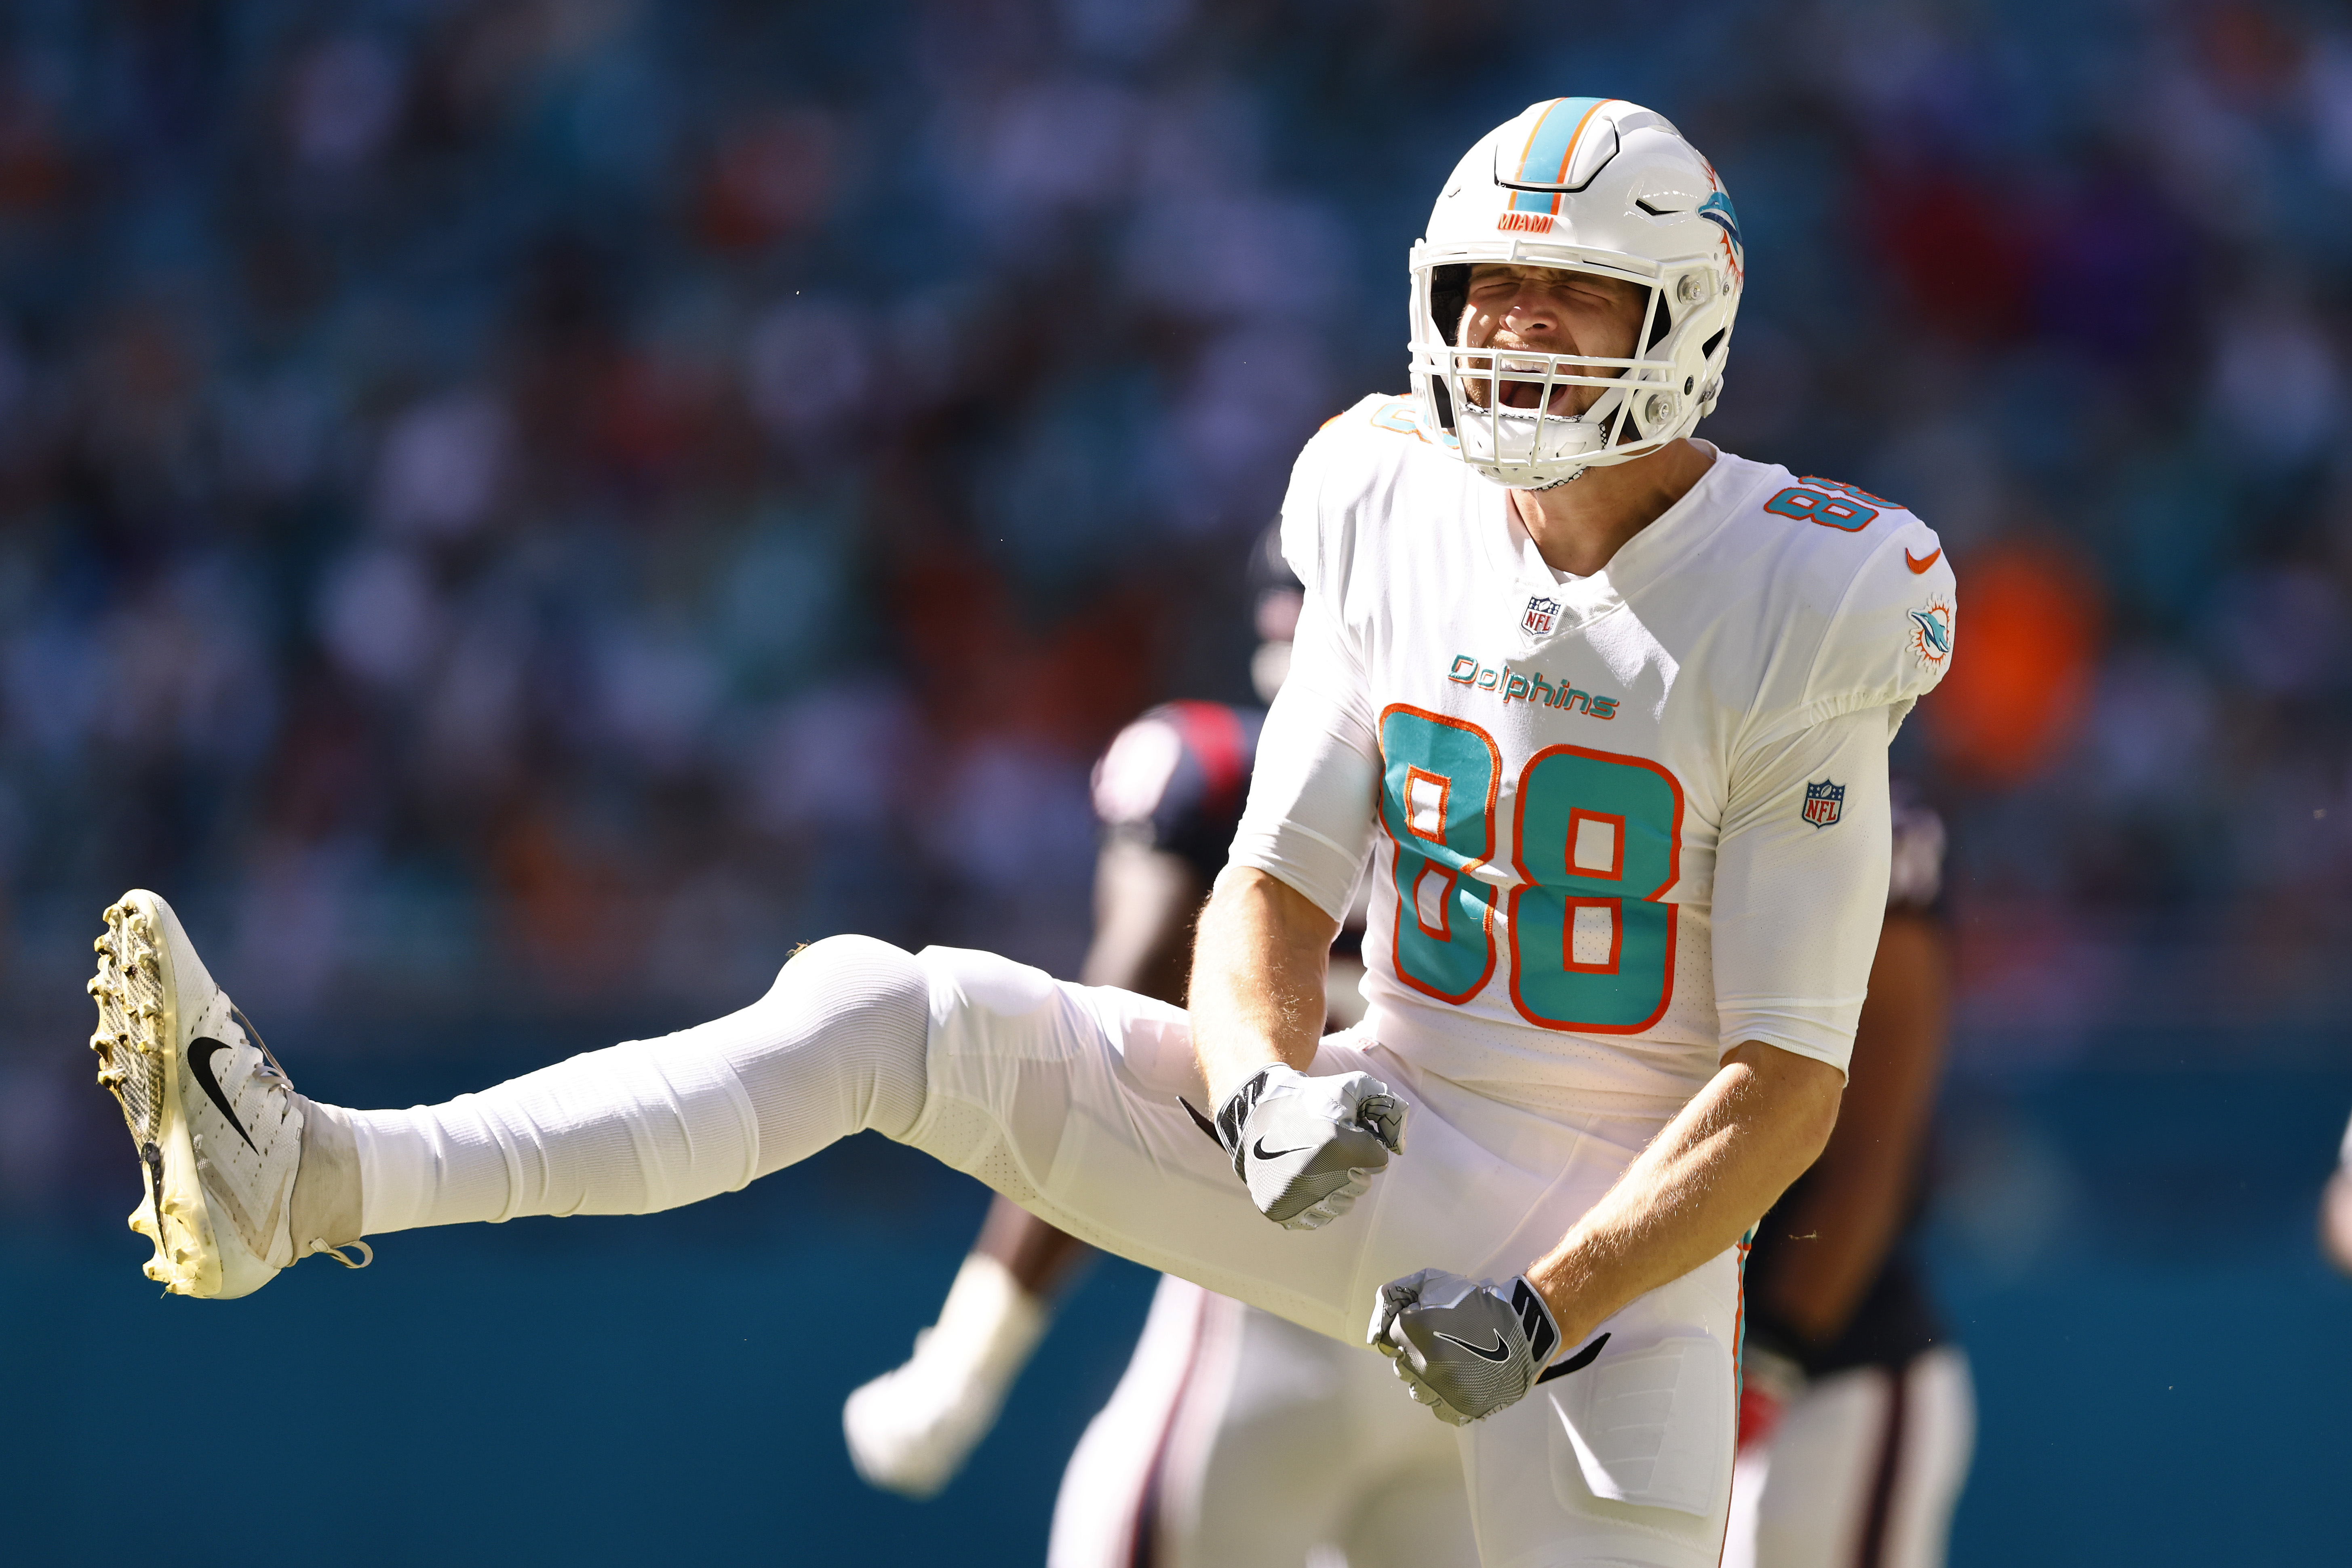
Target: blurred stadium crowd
(561, 499)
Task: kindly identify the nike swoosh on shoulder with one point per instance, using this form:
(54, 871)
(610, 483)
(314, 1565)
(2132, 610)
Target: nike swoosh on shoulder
(1501, 1352)
(200, 1052)
(1921, 563)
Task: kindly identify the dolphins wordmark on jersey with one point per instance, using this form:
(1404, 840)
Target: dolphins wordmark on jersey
(1561, 758)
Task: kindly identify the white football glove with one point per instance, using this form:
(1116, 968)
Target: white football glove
(1308, 1147)
(1462, 1349)
(910, 1430)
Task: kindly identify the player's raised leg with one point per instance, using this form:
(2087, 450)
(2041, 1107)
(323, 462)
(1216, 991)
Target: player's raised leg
(218, 1128)
(1064, 1097)
(241, 1176)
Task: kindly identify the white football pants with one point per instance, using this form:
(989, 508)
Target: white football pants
(1064, 1099)
(1238, 1439)
(1863, 1471)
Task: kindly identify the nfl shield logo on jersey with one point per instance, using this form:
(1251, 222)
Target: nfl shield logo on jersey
(1542, 615)
(1824, 803)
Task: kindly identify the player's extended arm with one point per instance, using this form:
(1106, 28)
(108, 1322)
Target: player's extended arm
(1852, 1208)
(1257, 979)
(1306, 1147)
(1763, 1117)
(1466, 1350)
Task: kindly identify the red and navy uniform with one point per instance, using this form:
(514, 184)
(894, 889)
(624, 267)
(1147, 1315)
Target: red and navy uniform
(1183, 798)
(1896, 1319)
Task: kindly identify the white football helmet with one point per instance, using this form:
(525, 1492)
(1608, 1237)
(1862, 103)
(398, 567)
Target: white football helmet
(1589, 184)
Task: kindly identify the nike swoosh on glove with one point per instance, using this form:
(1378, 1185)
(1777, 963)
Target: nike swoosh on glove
(1308, 1147)
(1462, 1349)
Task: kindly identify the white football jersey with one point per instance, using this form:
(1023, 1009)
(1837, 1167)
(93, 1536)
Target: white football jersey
(1617, 824)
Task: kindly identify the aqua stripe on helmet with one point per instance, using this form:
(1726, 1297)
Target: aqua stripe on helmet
(1545, 162)
(1718, 210)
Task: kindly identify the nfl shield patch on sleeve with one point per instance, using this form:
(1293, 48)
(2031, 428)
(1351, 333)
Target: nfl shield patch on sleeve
(1824, 803)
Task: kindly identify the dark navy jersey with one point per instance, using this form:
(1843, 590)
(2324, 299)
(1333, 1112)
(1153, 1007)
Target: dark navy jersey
(1914, 875)
(1174, 780)
(1896, 1319)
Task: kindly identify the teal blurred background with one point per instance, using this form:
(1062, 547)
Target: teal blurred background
(515, 512)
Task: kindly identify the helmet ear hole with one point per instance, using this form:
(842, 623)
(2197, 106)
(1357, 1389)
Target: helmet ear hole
(1449, 294)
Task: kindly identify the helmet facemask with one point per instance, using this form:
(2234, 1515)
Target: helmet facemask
(1502, 405)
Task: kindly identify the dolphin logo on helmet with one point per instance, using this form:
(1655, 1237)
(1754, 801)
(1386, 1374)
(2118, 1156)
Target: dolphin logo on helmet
(1588, 184)
(1716, 209)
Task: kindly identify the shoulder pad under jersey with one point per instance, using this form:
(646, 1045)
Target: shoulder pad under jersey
(1874, 591)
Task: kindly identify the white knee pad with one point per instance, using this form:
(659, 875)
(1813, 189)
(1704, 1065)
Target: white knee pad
(837, 1046)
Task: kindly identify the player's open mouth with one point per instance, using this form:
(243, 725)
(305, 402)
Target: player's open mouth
(1512, 392)
(1529, 394)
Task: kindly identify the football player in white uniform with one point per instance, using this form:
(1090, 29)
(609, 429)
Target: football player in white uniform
(1610, 710)
(1236, 1439)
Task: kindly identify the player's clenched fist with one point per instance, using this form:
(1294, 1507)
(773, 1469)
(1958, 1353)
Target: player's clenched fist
(1308, 1147)
(1462, 1349)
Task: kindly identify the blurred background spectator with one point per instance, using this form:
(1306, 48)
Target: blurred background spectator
(570, 496)
(531, 508)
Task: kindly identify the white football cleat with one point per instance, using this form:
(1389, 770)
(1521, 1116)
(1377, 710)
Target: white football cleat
(218, 1128)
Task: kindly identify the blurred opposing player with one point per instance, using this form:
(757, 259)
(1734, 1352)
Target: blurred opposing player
(1609, 709)
(1170, 784)
(1857, 1416)
(2336, 1209)
(1200, 1450)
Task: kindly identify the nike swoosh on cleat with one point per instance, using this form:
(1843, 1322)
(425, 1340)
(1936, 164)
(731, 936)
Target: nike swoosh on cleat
(1259, 1151)
(200, 1052)
(1499, 1354)
(1921, 563)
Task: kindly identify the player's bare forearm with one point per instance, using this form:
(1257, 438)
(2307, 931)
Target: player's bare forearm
(1698, 1187)
(1257, 978)
(1848, 1212)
